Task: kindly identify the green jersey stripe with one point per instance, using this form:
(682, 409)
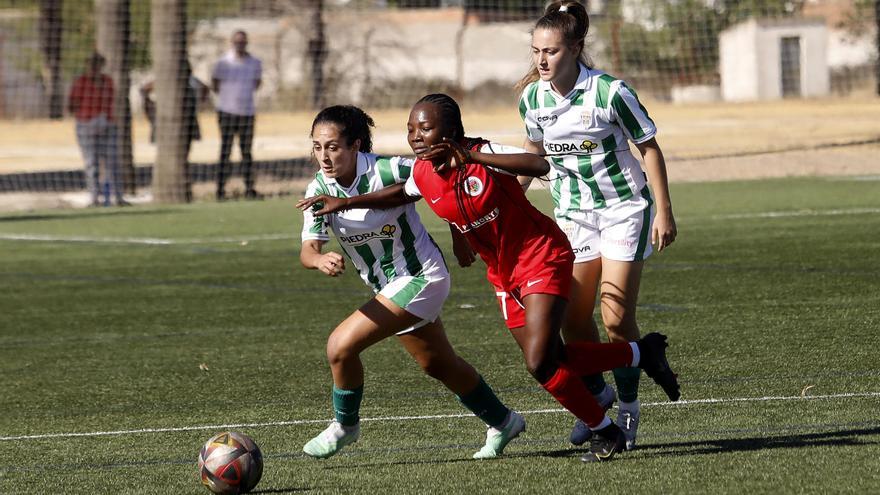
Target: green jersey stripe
(602, 89)
(533, 96)
(385, 173)
(364, 185)
(387, 260)
(404, 171)
(574, 190)
(643, 235)
(522, 108)
(409, 292)
(413, 265)
(629, 120)
(556, 188)
(609, 144)
(318, 226)
(549, 100)
(585, 167)
(577, 99)
(322, 186)
(369, 259)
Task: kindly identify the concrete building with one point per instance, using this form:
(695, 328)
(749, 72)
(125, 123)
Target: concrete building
(772, 59)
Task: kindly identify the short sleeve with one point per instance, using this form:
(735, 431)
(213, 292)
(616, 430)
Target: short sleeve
(411, 189)
(314, 227)
(393, 170)
(631, 115)
(217, 73)
(528, 104)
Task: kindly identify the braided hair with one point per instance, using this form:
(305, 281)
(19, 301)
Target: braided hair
(353, 124)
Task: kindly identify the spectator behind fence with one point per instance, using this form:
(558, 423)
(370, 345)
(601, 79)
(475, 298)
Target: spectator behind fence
(196, 93)
(91, 102)
(235, 79)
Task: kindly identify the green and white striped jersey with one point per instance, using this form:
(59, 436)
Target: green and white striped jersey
(585, 135)
(382, 244)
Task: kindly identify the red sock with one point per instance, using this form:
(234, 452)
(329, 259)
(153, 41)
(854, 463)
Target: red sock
(587, 358)
(569, 390)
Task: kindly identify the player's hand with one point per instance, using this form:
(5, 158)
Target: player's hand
(322, 204)
(332, 264)
(456, 154)
(664, 231)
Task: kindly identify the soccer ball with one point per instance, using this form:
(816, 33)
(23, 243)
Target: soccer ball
(230, 463)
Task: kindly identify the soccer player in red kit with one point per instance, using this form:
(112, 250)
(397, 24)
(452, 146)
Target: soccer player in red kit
(472, 184)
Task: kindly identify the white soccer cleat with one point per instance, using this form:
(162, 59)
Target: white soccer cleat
(332, 440)
(497, 439)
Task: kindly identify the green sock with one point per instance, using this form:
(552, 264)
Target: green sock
(627, 380)
(485, 405)
(595, 383)
(347, 405)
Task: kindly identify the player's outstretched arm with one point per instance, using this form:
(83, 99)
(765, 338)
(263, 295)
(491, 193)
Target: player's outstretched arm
(311, 257)
(527, 164)
(390, 197)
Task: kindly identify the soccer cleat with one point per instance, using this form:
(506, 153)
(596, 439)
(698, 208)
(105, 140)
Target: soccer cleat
(497, 439)
(580, 433)
(332, 440)
(605, 443)
(652, 348)
(628, 422)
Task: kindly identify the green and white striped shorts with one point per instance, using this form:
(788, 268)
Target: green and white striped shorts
(421, 295)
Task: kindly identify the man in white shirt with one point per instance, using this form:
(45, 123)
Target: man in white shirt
(235, 78)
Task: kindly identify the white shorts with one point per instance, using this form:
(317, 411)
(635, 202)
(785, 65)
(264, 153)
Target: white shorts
(620, 232)
(422, 296)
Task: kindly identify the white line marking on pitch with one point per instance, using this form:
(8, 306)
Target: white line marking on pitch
(797, 213)
(415, 418)
(150, 241)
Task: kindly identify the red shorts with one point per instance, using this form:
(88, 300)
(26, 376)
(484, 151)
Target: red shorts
(550, 277)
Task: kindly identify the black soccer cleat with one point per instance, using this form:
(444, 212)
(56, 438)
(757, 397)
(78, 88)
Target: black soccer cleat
(605, 443)
(652, 348)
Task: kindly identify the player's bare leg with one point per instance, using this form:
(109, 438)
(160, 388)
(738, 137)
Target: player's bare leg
(376, 320)
(430, 348)
(619, 293)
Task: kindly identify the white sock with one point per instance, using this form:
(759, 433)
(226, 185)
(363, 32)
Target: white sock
(637, 356)
(630, 406)
(605, 422)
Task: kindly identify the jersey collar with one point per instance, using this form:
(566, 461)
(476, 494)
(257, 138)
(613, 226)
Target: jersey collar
(582, 83)
(360, 170)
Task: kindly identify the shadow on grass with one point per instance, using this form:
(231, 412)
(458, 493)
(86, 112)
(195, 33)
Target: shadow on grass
(282, 490)
(839, 438)
(90, 213)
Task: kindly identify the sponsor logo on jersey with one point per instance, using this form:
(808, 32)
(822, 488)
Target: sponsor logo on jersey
(585, 249)
(492, 215)
(585, 145)
(547, 119)
(386, 232)
(473, 186)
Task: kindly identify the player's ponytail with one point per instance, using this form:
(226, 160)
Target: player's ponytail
(353, 124)
(569, 18)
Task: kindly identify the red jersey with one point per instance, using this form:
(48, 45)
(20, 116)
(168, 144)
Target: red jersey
(92, 98)
(514, 239)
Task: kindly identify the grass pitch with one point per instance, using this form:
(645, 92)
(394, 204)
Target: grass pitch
(129, 337)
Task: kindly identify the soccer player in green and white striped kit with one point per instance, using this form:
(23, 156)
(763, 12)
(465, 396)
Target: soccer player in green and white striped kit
(582, 119)
(395, 256)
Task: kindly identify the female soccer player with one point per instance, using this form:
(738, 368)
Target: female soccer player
(396, 257)
(472, 184)
(584, 119)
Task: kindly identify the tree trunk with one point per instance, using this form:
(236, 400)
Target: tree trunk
(113, 19)
(317, 47)
(168, 48)
(50, 44)
(877, 26)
